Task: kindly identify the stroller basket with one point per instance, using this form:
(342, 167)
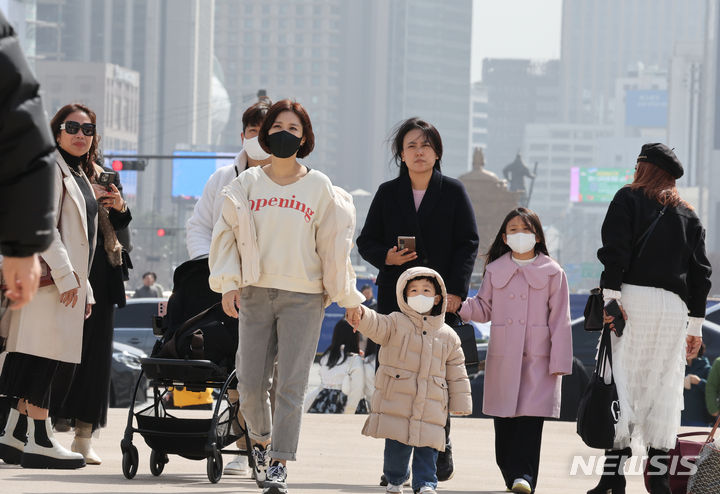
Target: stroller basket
(181, 371)
(182, 436)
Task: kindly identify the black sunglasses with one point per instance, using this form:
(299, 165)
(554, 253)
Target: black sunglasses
(72, 127)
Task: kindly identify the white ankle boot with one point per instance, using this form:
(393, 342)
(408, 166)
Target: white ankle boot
(42, 456)
(83, 445)
(11, 448)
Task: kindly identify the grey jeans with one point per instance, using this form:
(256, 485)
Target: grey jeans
(276, 323)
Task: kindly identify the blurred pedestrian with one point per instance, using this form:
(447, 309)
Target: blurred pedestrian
(370, 301)
(48, 331)
(280, 246)
(694, 412)
(712, 389)
(207, 210)
(86, 400)
(656, 270)
(342, 374)
(150, 288)
(434, 209)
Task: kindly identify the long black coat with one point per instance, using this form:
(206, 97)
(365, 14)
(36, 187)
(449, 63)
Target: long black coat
(444, 228)
(27, 161)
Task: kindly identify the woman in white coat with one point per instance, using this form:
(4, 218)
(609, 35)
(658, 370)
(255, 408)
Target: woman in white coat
(48, 331)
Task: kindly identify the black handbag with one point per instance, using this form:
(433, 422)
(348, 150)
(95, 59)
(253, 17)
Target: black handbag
(593, 313)
(466, 332)
(599, 408)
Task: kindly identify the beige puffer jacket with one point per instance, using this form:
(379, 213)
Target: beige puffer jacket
(421, 373)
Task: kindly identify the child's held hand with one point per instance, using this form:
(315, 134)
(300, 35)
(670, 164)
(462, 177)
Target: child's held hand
(353, 316)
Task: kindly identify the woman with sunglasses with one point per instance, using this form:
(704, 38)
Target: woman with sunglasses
(47, 333)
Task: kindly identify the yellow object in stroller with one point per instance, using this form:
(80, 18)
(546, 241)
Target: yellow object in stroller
(184, 398)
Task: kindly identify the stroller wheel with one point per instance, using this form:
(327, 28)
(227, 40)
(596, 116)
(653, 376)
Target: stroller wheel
(130, 462)
(214, 466)
(157, 462)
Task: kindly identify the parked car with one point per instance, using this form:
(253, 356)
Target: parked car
(133, 323)
(124, 373)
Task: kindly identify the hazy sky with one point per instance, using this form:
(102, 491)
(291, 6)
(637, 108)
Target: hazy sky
(515, 29)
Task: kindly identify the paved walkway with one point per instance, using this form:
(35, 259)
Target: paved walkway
(333, 457)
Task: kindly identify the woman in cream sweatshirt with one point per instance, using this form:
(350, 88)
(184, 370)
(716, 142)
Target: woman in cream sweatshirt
(280, 255)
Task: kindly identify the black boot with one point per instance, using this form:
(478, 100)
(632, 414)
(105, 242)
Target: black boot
(613, 479)
(445, 468)
(658, 474)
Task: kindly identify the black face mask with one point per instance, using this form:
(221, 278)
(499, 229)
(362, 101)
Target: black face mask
(283, 144)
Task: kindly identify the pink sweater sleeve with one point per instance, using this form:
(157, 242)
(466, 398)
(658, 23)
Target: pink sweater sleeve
(479, 308)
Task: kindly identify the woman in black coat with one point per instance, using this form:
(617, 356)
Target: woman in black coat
(422, 203)
(86, 401)
(657, 277)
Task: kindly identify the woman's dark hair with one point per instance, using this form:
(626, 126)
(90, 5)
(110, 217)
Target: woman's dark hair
(255, 115)
(343, 334)
(499, 248)
(297, 109)
(59, 119)
(437, 308)
(151, 274)
(399, 133)
(657, 184)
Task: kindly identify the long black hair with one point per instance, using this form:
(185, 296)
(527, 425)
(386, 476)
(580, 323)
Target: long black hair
(342, 335)
(430, 132)
(499, 248)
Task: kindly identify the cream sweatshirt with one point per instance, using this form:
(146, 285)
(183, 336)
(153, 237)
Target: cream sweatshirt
(288, 223)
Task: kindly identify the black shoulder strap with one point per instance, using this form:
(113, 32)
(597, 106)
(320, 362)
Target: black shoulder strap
(642, 240)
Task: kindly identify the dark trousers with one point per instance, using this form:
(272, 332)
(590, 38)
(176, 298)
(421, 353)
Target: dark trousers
(517, 448)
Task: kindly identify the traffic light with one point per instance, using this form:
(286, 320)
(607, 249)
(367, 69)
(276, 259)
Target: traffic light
(125, 165)
(165, 232)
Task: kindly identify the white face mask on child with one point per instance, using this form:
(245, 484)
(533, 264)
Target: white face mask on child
(520, 243)
(421, 303)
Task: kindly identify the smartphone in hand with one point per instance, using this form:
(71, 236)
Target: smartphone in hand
(406, 243)
(613, 309)
(106, 178)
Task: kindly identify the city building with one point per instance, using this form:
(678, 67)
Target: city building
(552, 151)
(359, 68)
(602, 40)
(478, 117)
(22, 16)
(111, 91)
(519, 92)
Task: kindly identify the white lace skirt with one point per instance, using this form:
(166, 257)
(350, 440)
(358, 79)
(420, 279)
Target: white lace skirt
(649, 368)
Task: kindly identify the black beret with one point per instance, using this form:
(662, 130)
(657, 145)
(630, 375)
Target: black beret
(663, 157)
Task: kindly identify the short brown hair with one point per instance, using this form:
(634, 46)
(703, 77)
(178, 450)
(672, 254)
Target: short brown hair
(255, 114)
(295, 107)
(59, 119)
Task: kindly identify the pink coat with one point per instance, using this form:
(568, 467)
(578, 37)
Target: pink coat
(530, 336)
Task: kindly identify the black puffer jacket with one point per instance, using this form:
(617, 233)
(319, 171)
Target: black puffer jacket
(26, 155)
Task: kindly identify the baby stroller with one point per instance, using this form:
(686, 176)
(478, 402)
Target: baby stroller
(198, 354)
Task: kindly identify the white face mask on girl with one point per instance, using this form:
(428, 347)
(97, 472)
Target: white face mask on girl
(520, 243)
(253, 150)
(421, 303)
